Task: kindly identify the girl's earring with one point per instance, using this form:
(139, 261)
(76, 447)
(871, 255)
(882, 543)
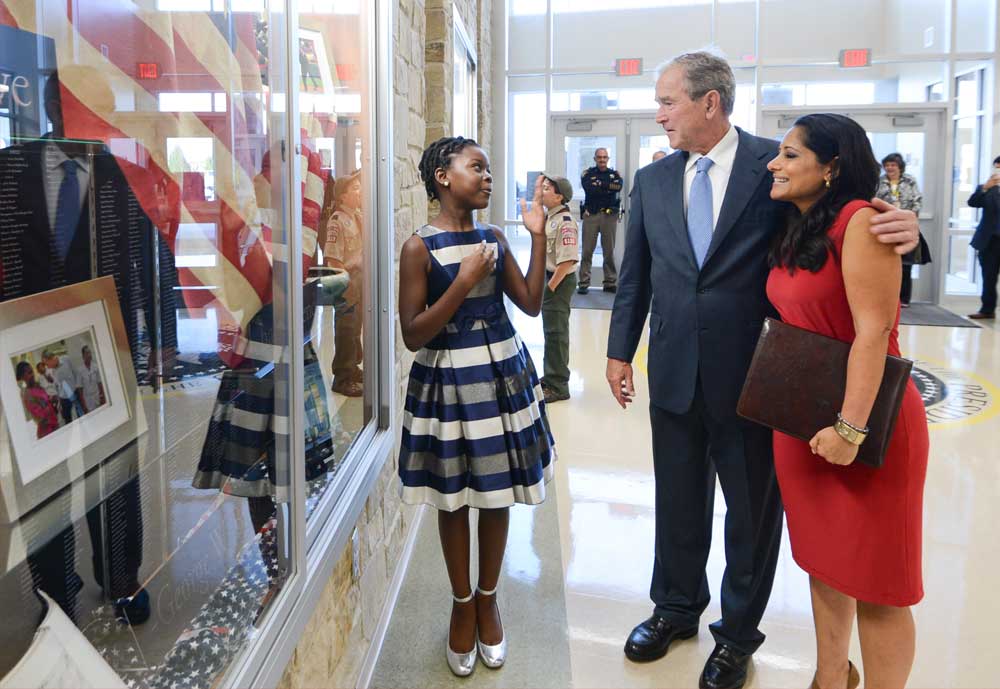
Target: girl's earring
(448, 184)
(827, 184)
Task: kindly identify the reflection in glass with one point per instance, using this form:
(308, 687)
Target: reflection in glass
(166, 178)
(335, 125)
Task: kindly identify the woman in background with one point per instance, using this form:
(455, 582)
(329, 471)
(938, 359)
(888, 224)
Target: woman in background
(901, 190)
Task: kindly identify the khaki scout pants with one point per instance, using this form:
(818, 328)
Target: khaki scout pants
(555, 325)
(605, 224)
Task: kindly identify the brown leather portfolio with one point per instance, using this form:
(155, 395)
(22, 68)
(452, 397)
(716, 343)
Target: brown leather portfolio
(796, 385)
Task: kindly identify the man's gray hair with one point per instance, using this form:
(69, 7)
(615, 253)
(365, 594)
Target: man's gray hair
(704, 72)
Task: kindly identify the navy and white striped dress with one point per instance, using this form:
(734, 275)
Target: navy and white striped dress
(474, 429)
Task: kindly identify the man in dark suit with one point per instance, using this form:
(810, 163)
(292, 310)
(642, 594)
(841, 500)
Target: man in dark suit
(696, 248)
(986, 240)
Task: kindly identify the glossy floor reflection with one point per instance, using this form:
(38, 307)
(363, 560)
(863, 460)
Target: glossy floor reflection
(604, 542)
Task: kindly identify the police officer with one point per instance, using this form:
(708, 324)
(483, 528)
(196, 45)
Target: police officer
(601, 187)
(562, 249)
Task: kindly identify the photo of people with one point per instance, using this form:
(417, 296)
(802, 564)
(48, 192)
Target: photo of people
(60, 382)
(312, 80)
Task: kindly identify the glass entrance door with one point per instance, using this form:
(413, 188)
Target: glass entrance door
(916, 134)
(574, 142)
(631, 141)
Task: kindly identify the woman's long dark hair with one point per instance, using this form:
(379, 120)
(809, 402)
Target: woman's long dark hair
(805, 244)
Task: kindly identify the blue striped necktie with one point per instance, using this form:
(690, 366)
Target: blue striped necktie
(67, 208)
(699, 218)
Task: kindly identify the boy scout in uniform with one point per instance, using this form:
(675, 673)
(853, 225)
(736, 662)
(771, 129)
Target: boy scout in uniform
(344, 249)
(561, 255)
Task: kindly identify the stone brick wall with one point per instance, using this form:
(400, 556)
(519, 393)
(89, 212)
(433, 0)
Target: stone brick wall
(337, 638)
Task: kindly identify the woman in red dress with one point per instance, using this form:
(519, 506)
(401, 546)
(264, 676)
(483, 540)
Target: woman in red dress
(855, 530)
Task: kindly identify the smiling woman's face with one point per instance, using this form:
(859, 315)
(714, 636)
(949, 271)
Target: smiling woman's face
(799, 177)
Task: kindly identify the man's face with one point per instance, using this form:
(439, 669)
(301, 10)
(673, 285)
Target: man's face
(87, 357)
(52, 361)
(601, 159)
(682, 119)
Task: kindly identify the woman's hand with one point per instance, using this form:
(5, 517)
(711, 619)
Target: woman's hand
(834, 449)
(477, 265)
(534, 219)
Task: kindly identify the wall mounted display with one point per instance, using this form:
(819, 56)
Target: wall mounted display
(67, 388)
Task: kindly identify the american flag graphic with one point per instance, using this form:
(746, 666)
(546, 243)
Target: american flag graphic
(98, 52)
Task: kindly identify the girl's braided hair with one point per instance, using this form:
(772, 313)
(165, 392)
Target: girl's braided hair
(439, 155)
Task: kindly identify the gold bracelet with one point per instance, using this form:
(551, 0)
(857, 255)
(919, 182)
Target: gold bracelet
(850, 432)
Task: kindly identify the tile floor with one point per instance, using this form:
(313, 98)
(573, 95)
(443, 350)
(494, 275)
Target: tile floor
(603, 543)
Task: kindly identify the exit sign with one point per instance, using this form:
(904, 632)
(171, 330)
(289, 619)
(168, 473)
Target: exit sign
(149, 70)
(855, 57)
(628, 66)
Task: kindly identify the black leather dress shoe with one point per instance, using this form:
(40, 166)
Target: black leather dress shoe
(651, 639)
(726, 668)
(135, 610)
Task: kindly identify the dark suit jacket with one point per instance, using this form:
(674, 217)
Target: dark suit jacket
(989, 224)
(704, 324)
(125, 241)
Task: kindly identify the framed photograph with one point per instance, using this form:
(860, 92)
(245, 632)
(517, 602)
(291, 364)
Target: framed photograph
(67, 390)
(315, 76)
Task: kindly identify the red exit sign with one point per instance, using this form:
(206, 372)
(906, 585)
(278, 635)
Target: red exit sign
(855, 57)
(149, 70)
(628, 66)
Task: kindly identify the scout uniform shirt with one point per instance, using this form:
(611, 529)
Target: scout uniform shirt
(345, 244)
(561, 238)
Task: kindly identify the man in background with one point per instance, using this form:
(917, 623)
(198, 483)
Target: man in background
(602, 188)
(986, 240)
(89, 387)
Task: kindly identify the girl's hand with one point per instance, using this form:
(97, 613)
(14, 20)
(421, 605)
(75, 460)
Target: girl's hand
(834, 449)
(534, 219)
(477, 265)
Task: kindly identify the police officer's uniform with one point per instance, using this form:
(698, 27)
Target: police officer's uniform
(562, 245)
(600, 216)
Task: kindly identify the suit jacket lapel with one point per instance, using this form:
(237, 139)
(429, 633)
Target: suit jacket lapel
(671, 181)
(748, 169)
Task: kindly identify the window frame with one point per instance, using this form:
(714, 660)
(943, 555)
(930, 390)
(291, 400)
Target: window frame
(316, 549)
(464, 47)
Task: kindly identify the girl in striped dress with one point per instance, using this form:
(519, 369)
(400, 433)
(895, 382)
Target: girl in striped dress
(475, 432)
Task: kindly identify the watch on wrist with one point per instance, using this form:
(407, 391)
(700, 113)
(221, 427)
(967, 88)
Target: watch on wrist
(850, 432)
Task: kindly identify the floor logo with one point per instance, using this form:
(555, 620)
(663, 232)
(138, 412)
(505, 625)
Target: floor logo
(950, 396)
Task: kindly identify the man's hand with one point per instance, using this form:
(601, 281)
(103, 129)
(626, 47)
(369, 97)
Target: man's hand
(619, 375)
(895, 226)
(991, 182)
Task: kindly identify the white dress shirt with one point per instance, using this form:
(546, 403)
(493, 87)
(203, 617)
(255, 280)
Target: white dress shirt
(722, 156)
(89, 381)
(65, 378)
(53, 174)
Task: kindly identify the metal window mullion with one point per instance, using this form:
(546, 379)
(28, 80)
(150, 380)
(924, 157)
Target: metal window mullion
(384, 205)
(295, 513)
